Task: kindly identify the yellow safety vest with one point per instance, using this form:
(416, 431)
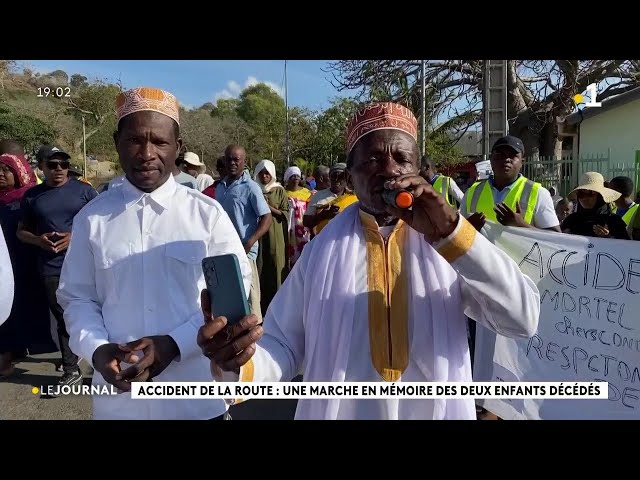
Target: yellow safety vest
(524, 191)
(629, 215)
(441, 185)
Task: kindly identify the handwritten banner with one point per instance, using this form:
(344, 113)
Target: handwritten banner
(589, 326)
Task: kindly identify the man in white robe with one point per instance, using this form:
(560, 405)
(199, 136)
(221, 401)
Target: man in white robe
(131, 281)
(382, 293)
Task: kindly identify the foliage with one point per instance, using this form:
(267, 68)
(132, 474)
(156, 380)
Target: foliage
(539, 92)
(30, 131)
(440, 149)
(328, 145)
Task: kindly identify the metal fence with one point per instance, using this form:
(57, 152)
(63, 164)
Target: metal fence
(564, 174)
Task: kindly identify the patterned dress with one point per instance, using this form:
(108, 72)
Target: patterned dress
(299, 235)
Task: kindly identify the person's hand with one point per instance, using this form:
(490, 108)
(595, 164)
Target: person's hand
(158, 352)
(45, 243)
(274, 211)
(106, 360)
(508, 217)
(430, 215)
(228, 347)
(328, 213)
(63, 242)
(601, 231)
(477, 219)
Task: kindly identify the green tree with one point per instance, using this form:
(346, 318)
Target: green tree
(96, 103)
(203, 134)
(224, 107)
(264, 110)
(30, 131)
(302, 132)
(440, 149)
(329, 144)
(78, 81)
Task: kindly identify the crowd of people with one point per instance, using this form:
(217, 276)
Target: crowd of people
(342, 286)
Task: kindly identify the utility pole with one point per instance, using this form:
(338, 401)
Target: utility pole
(424, 112)
(84, 148)
(494, 104)
(286, 108)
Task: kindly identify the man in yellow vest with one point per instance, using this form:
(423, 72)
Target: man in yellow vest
(635, 226)
(507, 196)
(625, 207)
(445, 186)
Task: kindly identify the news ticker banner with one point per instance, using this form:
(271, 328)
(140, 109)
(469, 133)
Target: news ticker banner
(346, 390)
(589, 329)
(366, 390)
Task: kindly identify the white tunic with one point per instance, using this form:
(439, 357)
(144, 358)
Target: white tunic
(6, 280)
(133, 269)
(328, 338)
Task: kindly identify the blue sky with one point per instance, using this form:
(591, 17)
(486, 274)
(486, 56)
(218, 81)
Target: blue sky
(196, 82)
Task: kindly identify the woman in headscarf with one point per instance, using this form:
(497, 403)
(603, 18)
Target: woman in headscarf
(272, 260)
(593, 216)
(298, 200)
(28, 326)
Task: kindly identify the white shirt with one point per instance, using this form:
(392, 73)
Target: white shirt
(203, 181)
(319, 198)
(133, 269)
(454, 189)
(6, 280)
(544, 213)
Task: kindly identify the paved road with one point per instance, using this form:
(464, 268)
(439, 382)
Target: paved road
(17, 402)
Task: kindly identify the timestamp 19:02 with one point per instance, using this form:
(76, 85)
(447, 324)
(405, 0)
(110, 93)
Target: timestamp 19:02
(57, 92)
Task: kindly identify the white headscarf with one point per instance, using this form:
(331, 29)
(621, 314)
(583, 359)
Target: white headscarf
(290, 172)
(271, 168)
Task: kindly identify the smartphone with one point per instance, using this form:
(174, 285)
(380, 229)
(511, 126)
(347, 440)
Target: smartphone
(225, 286)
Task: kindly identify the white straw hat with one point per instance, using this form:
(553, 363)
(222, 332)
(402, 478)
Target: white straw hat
(594, 182)
(193, 159)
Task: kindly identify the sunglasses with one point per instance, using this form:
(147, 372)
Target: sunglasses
(52, 164)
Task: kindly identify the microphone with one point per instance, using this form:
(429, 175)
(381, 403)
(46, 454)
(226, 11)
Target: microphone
(402, 198)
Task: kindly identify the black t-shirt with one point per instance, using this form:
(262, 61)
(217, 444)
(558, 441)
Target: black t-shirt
(48, 209)
(582, 224)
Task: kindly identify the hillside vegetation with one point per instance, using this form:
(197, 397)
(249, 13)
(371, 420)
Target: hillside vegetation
(256, 120)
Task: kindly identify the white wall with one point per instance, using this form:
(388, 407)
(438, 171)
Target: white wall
(617, 129)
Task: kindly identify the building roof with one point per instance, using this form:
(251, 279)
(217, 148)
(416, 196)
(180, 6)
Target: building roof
(607, 105)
